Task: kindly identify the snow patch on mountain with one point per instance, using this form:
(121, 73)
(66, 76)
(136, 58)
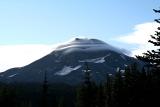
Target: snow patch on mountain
(96, 60)
(12, 75)
(67, 69)
(100, 61)
(123, 57)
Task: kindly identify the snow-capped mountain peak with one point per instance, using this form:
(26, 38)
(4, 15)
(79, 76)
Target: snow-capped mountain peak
(85, 44)
(66, 63)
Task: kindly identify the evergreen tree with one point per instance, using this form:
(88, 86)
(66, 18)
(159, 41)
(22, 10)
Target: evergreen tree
(8, 97)
(153, 67)
(153, 57)
(87, 92)
(108, 91)
(45, 90)
(133, 84)
(61, 103)
(101, 98)
(118, 89)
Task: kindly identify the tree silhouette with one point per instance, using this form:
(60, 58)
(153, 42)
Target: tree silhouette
(45, 90)
(152, 68)
(101, 97)
(87, 92)
(109, 90)
(153, 57)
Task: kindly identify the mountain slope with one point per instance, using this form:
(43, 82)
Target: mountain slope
(66, 63)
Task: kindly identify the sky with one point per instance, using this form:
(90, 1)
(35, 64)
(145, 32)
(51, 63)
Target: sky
(30, 29)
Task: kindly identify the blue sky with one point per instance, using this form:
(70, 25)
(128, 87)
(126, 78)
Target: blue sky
(53, 21)
(48, 22)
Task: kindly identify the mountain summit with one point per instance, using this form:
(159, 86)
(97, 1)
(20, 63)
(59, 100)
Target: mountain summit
(85, 44)
(66, 63)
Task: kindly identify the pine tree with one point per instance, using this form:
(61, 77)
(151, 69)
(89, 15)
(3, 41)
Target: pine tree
(153, 57)
(133, 85)
(118, 89)
(101, 98)
(108, 90)
(45, 90)
(153, 67)
(8, 97)
(86, 96)
(61, 102)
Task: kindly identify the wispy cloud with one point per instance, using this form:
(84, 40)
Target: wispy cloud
(21, 55)
(140, 37)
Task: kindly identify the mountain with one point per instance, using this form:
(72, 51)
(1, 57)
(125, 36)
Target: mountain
(66, 63)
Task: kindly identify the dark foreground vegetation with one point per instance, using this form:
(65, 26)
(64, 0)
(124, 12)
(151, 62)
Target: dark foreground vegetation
(129, 88)
(32, 95)
(132, 87)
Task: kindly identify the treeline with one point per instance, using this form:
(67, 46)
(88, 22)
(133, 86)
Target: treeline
(31, 95)
(127, 88)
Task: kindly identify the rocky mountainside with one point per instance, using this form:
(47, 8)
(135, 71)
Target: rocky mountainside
(66, 63)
